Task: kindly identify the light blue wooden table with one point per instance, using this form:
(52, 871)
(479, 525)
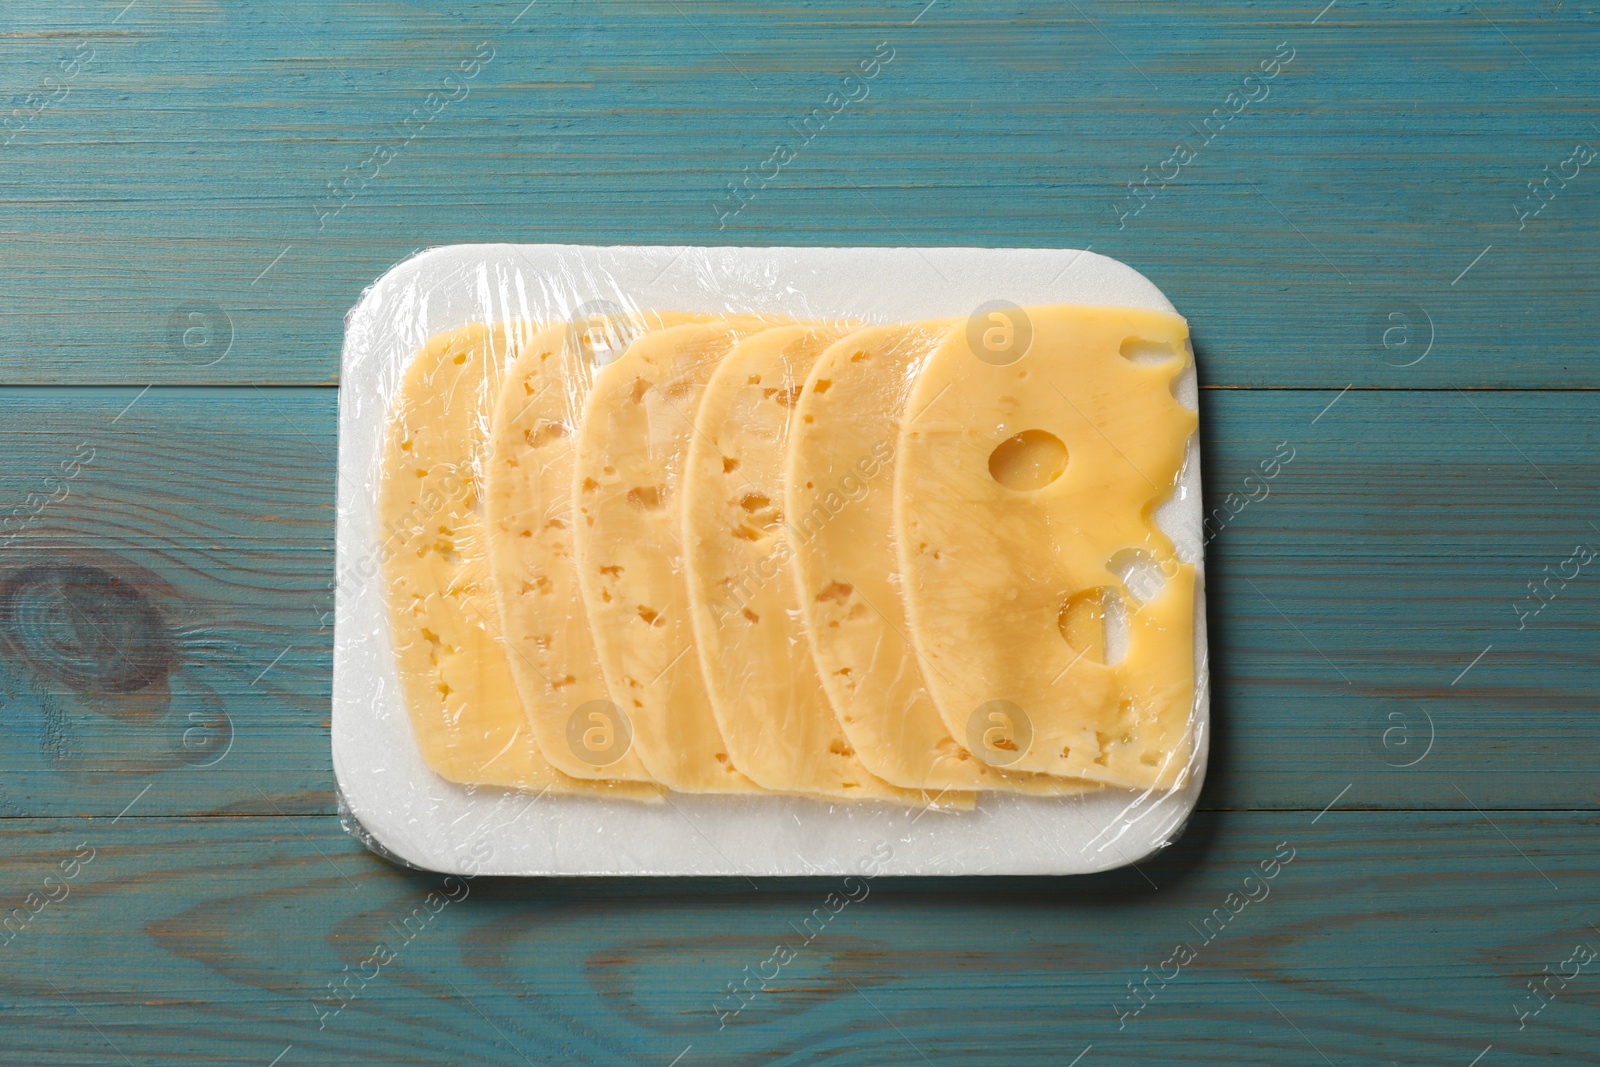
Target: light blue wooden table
(1387, 251)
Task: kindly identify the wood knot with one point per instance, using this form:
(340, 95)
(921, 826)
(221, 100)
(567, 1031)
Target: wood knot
(86, 628)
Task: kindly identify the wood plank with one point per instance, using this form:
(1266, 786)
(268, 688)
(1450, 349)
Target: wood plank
(1350, 605)
(1380, 937)
(1395, 545)
(185, 170)
(193, 531)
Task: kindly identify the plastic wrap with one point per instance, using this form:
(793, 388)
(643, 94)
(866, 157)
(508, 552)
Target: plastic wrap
(623, 559)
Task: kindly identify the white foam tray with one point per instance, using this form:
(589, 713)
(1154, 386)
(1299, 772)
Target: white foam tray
(404, 809)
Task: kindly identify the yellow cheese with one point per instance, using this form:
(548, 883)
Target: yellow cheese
(1027, 479)
(839, 493)
(555, 665)
(775, 717)
(631, 447)
(465, 713)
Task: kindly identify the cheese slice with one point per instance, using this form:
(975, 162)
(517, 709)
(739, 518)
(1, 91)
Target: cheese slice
(444, 625)
(632, 442)
(774, 714)
(555, 665)
(1026, 488)
(839, 502)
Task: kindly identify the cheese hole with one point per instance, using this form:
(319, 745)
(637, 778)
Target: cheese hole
(1094, 624)
(646, 497)
(1116, 624)
(839, 591)
(544, 434)
(1030, 460)
(1139, 574)
(1147, 353)
(1082, 621)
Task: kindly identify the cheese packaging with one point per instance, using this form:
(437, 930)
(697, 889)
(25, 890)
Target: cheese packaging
(767, 561)
(777, 721)
(633, 442)
(1026, 477)
(839, 487)
(452, 663)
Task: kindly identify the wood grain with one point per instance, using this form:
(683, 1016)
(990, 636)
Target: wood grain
(1403, 937)
(198, 144)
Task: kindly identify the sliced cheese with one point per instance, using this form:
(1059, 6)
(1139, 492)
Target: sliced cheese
(1027, 479)
(444, 625)
(555, 665)
(839, 503)
(632, 442)
(769, 702)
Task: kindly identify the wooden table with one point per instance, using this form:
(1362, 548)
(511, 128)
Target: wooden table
(190, 204)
